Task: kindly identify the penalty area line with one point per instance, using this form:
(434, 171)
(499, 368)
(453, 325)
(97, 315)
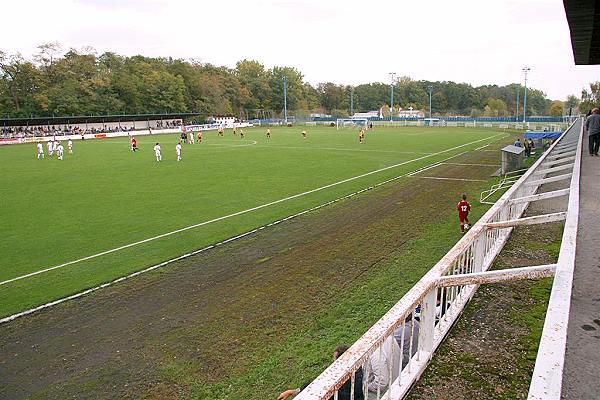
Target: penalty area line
(181, 257)
(235, 214)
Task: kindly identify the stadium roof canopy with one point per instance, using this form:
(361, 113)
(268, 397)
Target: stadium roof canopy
(82, 119)
(584, 23)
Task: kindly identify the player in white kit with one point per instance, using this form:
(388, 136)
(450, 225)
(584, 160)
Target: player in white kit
(60, 150)
(178, 150)
(157, 152)
(50, 144)
(70, 146)
(40, 150)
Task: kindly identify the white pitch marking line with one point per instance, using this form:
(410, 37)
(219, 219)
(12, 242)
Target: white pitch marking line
(474, 165)
(249, 143)
(449, 179)
(164, 263)
(342, 149)
(239, 212)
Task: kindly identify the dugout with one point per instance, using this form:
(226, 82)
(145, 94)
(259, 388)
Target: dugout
(512, 158)
(540, 138)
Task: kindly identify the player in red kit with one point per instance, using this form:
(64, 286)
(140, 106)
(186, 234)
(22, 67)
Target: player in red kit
(463, 207)
(133, 144)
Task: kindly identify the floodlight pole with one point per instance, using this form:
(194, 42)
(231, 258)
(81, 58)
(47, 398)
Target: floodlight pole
(392, 75)
(525, 71)
(285, 99)
(518, 93)
(430, 90)
(351, 100)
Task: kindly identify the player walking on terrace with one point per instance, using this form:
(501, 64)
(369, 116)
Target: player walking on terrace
(40, 151)
(157, 152)
(463, 207)
(178, 151)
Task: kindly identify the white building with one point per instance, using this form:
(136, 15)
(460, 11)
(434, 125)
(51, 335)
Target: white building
(369, 114)
(226, 122)
(411, 114)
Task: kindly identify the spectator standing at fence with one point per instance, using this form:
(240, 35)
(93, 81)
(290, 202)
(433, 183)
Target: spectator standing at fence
(344, 391)
(40, 151)
(379, 366)
(592, 126)
(403, 335)
(527, 147)
(518, 143)
(463, 207)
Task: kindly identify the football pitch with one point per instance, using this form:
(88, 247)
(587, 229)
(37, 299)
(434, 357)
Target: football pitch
(106, 212)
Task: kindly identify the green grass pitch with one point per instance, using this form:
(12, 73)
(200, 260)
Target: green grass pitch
(104, 196)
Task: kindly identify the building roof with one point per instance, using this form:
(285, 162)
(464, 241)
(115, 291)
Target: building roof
(513, 149)
(583, 17)
(81, 119)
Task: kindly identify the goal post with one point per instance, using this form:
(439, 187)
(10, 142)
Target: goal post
(349, 123)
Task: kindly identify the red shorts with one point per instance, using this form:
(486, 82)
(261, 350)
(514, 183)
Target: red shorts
(463, 217)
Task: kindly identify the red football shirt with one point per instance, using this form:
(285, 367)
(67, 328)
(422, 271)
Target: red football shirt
(463, 207)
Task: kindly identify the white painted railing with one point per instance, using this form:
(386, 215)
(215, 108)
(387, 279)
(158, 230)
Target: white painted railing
(546, 382)
(395, 351)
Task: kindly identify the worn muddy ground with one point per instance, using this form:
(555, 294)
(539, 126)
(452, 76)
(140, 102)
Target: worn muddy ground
(210, 311)
(490, 353)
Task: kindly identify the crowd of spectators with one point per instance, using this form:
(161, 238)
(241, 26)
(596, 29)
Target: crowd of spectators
(47, 130)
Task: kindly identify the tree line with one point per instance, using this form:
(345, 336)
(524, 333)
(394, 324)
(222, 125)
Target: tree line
(81, 82)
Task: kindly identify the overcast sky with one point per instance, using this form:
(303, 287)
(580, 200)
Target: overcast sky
(341, 41)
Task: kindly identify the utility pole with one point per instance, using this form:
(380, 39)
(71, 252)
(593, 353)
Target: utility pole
(518, 93)
(285, 99)
(525, 71)
(393, 76)
(430, 90)
(351, 100)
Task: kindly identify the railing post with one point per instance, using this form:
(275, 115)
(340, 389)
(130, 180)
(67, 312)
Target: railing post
(479, 252)
(427, 324)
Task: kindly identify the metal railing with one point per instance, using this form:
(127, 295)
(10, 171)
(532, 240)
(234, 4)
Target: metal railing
(395, 351)
(507, 181)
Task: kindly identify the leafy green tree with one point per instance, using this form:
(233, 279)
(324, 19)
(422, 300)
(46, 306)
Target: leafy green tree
(571, 104)
(590, 99)
(495, 108)
(81, 82)
(556, 108)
